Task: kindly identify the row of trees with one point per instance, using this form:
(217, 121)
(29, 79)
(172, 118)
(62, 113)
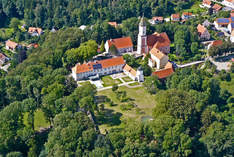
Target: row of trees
(223, 49)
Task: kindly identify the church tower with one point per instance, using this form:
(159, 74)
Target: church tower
(142, 38)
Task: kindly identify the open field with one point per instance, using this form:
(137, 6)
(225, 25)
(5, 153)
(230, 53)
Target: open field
(108, 81)
(139, 96)
(195, 8)
(39, 120)
(229, 85)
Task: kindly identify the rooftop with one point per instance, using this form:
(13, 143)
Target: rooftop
(11, 44)
(175, 16)
(164, 73)
(157, 53)
(207, 2)
(34, 29)
(201, 29)
(158, 40)
(217, 7)
(130, 70)
(121, 42)
(222, 20)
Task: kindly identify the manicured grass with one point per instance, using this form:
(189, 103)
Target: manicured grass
(39, 120)
(195, 8)
(108, 81)
(134, 84)
(127, 79)
(143, 100)
(229, 85)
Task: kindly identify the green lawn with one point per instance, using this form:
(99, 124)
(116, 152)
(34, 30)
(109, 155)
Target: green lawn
(108, 81)
(127, 79)
(134, 84)
(195, 8)
(229, 85)
(6, 33)
(39, 120)
(144, 101)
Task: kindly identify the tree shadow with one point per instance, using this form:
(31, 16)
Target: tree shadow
(109, 117)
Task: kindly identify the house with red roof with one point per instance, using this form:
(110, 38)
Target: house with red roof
(114, 24)
(157, 59)
(156, 20)
(3, 59)
(216, 8)
(186, 16)
(203, 32)
(207, 3)
(215, 43)
(123, 45)
(135, 75)
(11, 45)
(35, 31)
(175, 17)
(98, 68)
(164, 73)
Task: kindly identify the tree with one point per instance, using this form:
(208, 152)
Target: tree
(113, 50)
(14, 154)
(102, 47)
(194, 47)
(15, 24)
(152, 84)
(115, 87)
(76, 135)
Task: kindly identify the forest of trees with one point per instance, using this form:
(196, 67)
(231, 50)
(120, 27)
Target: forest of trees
(60, 13)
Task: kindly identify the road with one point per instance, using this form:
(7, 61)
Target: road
(190, 64)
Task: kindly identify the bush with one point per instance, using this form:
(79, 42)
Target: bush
(126, 107)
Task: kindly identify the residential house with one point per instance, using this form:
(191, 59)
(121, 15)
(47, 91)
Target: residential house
(35, 31)
(231, 27)
(215, 43)
(123, 45)
(157, 59)
(232, 36)
(157, 40)
(229, 3)
(3, 59)
(207, 3)
(203, 32)
(82, 27)
(186, 15)
(98, 68)
(156, 20)
(11, 45)
(175, 17)
(33, 45)
(216, 8)
(164, 73)
(221, 22)
(133, 74)
(114, 24)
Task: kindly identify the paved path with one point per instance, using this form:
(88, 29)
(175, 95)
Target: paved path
(190, 64)
(122, 84)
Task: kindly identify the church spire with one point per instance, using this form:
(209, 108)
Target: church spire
(142, 22)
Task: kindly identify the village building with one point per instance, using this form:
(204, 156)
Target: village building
(231, 27)
(114, 24)
(135, 75)
(186, 16)
(175, 17)
(157, 40)
(215, 43)
(221, 22)
(216, 8)
(164, 73)
(156, 20)
(157, 59)
(229, 3)
(232, 36)
(3, 59)
(98, 68)
(123, 45)
(207, 3)
(203, 32)
(35, 31)
(11, 45)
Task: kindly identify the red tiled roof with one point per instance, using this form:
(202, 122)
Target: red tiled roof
(157, 53)
(207, 2)
(201, 29)
(167, 71)
(157, 18)
(105, 64)
(11, 44)
(217, 43)
(119, 43)
(158, 40)
(130, 70)
(175, 16)
(187, 14)
(34, 29)
(217, 7)
(114, 24)
(231, 1)
(2, 56)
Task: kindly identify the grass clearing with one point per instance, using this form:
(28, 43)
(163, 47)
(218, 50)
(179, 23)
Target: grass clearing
(229, 85)
(195, 8)
(134, 84)
(39, 120)
(144, 101)
(127, 79)
(108, 81)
